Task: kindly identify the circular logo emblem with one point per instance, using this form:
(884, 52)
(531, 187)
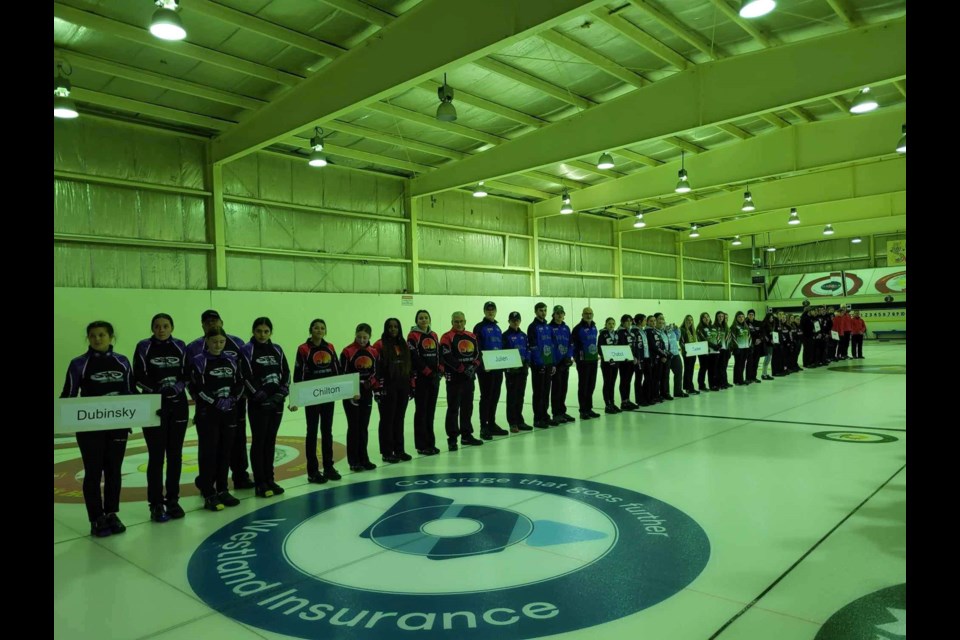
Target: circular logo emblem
(832, 285)
(498, 556)
(289, 461)
(881, 615)
(854, 436)
(428, 344)
(321, 357)
(892, 283)
(363, 362)
(465, 346)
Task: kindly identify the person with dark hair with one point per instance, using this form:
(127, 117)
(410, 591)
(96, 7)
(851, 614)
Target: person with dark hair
(267, 381)
(607, 337)
(793, 365)
(543, 358)
(101, 372)
(688, 334)
(858, 329)
(583, 342)
(216, 382)
(826, 329)
(395, 378)
(489, 338)
(561, 378)
(843, 328)
(239, 463)
(706, 333)
(459, 354)
(656, 361)
(641, 353)
(425, 359)
(807, 318)
(627, 337)
(756, 348)
(514, 338)
(740, 345)
(671, 338)
(722, 361)
(781, 348)
(160, 366)
(767, 329)
(361, 358)
(316, 358)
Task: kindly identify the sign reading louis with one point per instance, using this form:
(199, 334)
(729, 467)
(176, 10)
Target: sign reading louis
(463, 555)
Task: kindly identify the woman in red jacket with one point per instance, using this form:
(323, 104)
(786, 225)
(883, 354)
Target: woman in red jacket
(317, 358)
(425, 357)
(858, 329)
(395, 377)
(359, 357)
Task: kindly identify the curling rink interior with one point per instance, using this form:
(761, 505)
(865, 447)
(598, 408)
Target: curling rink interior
(753, 513)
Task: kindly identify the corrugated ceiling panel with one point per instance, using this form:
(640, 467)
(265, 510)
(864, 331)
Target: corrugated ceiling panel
(649, 290)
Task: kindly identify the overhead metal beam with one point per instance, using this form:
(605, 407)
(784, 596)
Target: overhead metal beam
(156, 111)
(142, 36)
(643, 39)
(843, 9)
(363, 11)
(799, 191)
(802, 113)
(601, 62)
(637, 157)
(901, 87)
(680, 143)
(118, 70)
(263, 27)
(404, 143)
(402, 58)
(812, 216)
(734, 130)
(363, 156)
(775, 120)
(487, 105)
(431, 121)
(840, 103)
(866, 227)
(524, 78)
(734, 16)
(709, 94)
(679, 29)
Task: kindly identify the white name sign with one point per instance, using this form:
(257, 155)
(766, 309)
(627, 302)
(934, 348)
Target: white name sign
(99, 413)
(502, 359)
(310, 392)
(697, 348)
(816, 325)
(616, 353)
(834, 335)
(776, 337)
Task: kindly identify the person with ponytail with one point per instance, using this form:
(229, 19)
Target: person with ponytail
(688, 334)
(395, 377)
(361, 358)
(316, 359)
(740, 343)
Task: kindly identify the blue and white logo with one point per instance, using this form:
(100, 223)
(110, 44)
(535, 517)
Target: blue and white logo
(461, 555)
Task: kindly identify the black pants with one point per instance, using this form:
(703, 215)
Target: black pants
(688, 364)
(491, 382)
(215, 434)
(166, 441)
(102, 453)
(833, 348)
(844, 343)
(393, 409)
(778, 360)
(640, 371)
(651, 379)
(723, 361)
(558, 390)
(707, 365)
(238, 455)
(857, 342)
(627, 370)
(319, 415)
(586, 384)
(609, 372)
(674, 364)
(425, 410)
(358, 419)
(264, 425)
(753, 361)
(516, 388)
(740, 357)
(459, 408)
(809, 355)
(541, 393)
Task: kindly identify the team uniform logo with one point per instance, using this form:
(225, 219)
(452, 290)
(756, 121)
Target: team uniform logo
(221, 372)
(465, 347)
(363, 362)
(165, 362)
(107, 376)
(321, 358)
(487, 556)
(428, 344)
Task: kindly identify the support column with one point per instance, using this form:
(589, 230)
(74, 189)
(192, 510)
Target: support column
(216, 225)
(411, 207)
(534, 233)
(726, 272)
(680, 271)
(618, 263)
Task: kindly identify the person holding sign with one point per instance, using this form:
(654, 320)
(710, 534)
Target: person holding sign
(740, 344)
(515, 338)
(756, 348)
(361, 358)
(215, 384)
(101, 372)
(395, 381)
(425, 359)
(768, 330)
(671, 336)
(627, 337)
(608, 368)
(706, 333)
(584, 346)
(543, 353)
(489, 338)
(160, 366)
(721, 335)
(561, 378)
(688, 335)
(317, 358)
(858, 329)
(459, 353)
(807, 332)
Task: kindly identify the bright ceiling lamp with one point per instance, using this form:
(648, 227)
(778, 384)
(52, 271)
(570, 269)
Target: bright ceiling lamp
(693, 231)
(446, 112)
(756, 8)
(736, 241)
(864, 102)
(771, 249)
(639, 224)
(748, 202)
(856, 240)
(63, 106)
(683, 185)
(902, 144)
(605, 161)
(480, 192)
(166, 23)
(794, 216)
(566, 207)
(828, 230)
(317, 159)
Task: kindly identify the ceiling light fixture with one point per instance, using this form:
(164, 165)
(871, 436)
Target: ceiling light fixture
(480, 192)
(446, 112)
(566, 207)
(317, 159)
(693, 231)
(683, 185)
(756, 8)
(828, 230)
(166, 23)
(864, 102)
(902, 144)
(794, 216)
(856, 240)
(639, 224)
(736, 241)
(771, 249)
(748, 202)
(63, 106)
(605, 162)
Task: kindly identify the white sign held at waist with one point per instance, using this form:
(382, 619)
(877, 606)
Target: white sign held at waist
(697, 348)
(321, 390)
(616, 353)
(502, 359)
(99, 413)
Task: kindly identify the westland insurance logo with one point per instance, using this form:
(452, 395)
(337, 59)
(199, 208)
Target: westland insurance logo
(495, 555)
